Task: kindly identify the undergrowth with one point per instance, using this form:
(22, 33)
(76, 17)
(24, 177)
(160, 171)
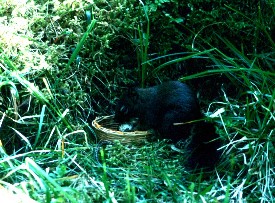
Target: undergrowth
(64, 63)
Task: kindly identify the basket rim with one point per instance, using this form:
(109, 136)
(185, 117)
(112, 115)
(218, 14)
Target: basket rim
(97, 126)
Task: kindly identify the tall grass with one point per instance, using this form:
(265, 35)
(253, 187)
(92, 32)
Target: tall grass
(46, 152)
(142, 52)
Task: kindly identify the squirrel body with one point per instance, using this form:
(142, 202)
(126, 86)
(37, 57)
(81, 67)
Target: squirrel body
(172, 109)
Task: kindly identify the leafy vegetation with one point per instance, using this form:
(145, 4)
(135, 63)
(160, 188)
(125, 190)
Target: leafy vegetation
(62, 63)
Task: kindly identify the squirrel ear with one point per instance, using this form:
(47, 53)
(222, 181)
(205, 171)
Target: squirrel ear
(133, 92)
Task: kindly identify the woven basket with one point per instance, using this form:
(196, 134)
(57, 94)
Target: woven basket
(106, 129)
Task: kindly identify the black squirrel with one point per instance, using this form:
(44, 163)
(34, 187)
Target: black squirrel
(172, 109)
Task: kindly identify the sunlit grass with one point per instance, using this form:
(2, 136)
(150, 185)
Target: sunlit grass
(48, 149)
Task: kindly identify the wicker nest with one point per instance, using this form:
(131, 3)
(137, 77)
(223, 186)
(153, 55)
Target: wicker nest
(107, 129)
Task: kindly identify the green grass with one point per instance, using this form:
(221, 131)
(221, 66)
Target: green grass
(58, 70)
